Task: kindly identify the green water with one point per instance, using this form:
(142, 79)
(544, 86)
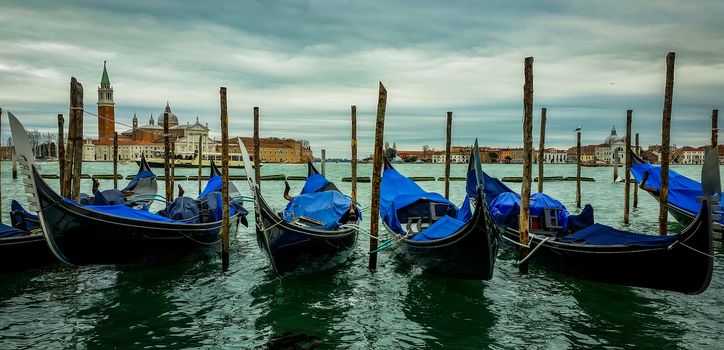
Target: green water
(195, 305)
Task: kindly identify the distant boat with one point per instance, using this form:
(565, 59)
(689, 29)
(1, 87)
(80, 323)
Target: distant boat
(157, 160)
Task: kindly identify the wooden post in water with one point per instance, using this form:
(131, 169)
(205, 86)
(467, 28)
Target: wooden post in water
(541, 148)
(448, 141)
(15, 162)
(257, 149)
(61, 150)
(627, 185)
(76, 111)
(1, 169)
(714, 128)
(527, 160)
(200, 158)
(666, 144)
(578, 169)
(354, 153)
(324, 161)
(224, 181)
(173, 167)
(615, 165)
(166, 160)
(115, 160)
(377, 174)
(636, 188)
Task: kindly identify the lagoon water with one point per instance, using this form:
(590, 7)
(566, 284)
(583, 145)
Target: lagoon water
(195, 305)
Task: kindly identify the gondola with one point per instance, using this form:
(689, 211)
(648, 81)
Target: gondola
(683, 192)
(116, 234)
(583, 249)
(436, 235)
(143, 187)
(304, 244)
(22, 245)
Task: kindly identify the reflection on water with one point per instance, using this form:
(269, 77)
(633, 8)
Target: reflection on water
(196, 305)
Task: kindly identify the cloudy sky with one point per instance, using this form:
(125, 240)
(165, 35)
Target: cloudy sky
(305, 62)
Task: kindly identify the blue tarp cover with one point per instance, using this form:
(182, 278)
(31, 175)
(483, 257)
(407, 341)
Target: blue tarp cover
(598, 234)
(9, 231)
(314, 183)
(327, 207)
(439, 229)
(124, 211)
(109, 197)
(493, 187)
(21, 219)
(683, 191)
(213, 185)
(182, 209)
(398, 192)
(506, 204)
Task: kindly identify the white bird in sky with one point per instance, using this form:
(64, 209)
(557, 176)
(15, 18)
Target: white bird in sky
(577, 129)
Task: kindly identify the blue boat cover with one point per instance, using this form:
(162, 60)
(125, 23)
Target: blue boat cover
(182, 209)
(439, 229)
(397, 192)
(109, 197)
(213, 185)
(598, 234)
(9, 231)
(314, 183)
(465, 212)
(216, 206)
(21, 219)
(683, 191)
(124, 211)
(493, 187)
(508, 203)
(327, 207)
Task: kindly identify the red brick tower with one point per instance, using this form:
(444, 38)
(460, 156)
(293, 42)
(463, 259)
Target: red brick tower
(106, 110)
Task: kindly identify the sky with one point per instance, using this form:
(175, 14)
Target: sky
(304, 63)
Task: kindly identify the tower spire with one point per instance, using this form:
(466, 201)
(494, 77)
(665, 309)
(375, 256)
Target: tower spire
(105, 81)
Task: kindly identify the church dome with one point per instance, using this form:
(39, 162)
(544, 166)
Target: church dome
(613, 137)
(172, 118)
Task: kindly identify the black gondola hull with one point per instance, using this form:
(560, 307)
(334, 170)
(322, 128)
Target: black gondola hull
(80, 236)
(293, 249)
(674, 267)
(24, 252)
(469, 253)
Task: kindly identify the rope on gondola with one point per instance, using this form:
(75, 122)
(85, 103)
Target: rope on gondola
(533, 251)
(515, 242)
(692, 248)
(385, 243)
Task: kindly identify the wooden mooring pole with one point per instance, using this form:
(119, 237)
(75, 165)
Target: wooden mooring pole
(61, 150)
(167, 160)
(377, 174)
(76, 112)
(15, 162)
(616, 162)
(636, 188)
(257, 149)
(627, 185)
(224, 181)
(173, 167)
(666, 144)
(578, 169)
(714, 128)
(527, 160)
(541, 148)
(448, 142)
(115, 160)
(201, 159)
(354, 153)
(324, 162)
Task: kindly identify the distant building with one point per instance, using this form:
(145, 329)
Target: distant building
(275, 150)
(691, 155)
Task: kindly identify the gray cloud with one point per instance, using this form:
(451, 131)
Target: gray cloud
(305, 62)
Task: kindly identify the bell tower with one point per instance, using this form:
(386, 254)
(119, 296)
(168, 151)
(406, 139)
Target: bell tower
(106, 110)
